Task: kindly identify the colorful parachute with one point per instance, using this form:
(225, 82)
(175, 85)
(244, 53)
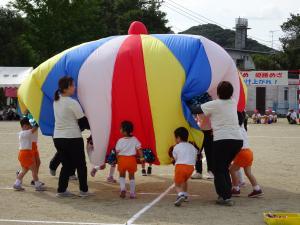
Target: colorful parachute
(147, 79)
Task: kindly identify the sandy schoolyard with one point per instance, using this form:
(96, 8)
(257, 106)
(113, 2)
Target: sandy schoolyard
(276, 165)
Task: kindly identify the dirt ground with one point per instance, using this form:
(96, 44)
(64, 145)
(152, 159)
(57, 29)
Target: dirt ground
(276, 166)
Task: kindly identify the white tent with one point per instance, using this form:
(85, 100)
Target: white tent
(13, 76)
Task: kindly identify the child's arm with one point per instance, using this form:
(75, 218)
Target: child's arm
(34, 129)
(141, 154)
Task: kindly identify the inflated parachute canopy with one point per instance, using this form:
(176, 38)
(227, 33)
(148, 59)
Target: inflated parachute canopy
(147, 79)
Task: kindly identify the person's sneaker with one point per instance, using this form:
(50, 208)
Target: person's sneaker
(235, 193)
(73, 177)
(123, 194)
(111, 180)
(52, 172)
(40, 188)
(144, 172)
(227, 202)
(132, 196)
(18, 187)
(256, 194)
(93, 172)
(179, 200)
(32, 183)
(149, 170)
(65, 194)
(85, 194)
(197, 176)
(210, 175)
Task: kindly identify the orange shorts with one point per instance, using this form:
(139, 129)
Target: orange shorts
(127, 163)
(26, 158)
(244, 158)
(35, 150)
(183, 173)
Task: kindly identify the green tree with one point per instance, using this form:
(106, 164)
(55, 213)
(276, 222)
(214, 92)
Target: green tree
(291, 41)
(55, 25)
(14, 48)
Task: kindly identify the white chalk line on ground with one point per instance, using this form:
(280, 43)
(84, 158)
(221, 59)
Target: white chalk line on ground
(147, 207)
(54, 222)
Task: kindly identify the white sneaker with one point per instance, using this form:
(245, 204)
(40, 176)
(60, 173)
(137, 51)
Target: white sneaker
(65, 194)
(197, 176)
(40, 188)
(210, 175)
(18, 187)
(85, 194)
(73, 177)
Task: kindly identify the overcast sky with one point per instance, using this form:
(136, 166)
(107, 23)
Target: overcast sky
(263, 16)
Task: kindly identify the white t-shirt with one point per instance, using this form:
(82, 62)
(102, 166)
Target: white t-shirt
(294, 115)
(185, 153)
(66, 112)
(127, 146)
(25, 139)
(245, 137)
(35, 136)
(224, 119)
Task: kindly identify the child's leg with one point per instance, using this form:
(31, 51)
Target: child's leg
(18, 183)
(38, 163)
(240, 176)
(251, 178)
(112, 171)
(20, 176)
(132, 184)
(149, 170)
(233, 172)
(122, 181)
(179, 189)
(144, 169)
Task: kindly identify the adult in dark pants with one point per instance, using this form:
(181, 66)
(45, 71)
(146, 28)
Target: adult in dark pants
(55, 162)
(227, 139)
(68, 141)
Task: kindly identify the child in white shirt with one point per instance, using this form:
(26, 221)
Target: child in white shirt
(185, 155)
(26, 157)
(127, 148)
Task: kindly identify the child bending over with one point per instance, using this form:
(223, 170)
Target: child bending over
(244, 160)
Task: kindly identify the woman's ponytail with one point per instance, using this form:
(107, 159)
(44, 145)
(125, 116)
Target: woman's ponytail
(63, 84)
(56, 95)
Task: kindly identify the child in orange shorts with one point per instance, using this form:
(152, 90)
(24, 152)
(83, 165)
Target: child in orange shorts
(244, 159)
(127, 148)
(185, 155)
(26, 156)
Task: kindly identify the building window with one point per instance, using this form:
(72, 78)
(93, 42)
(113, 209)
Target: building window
(286, 94)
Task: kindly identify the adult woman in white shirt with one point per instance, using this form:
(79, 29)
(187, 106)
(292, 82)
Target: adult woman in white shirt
(227, 139)
(69, 122)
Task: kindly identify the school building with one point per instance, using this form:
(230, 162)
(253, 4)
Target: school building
(279, 98)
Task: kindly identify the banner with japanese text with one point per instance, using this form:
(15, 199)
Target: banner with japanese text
(265, 78)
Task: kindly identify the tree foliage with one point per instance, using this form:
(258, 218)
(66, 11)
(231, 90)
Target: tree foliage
(35, 30)
(291, 41)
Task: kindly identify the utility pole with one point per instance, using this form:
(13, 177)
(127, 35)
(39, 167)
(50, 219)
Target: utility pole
(273, 51)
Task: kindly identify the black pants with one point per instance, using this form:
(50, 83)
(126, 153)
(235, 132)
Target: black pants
(224, 151)
(54, 163)
(207, 145)
(71, 154)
